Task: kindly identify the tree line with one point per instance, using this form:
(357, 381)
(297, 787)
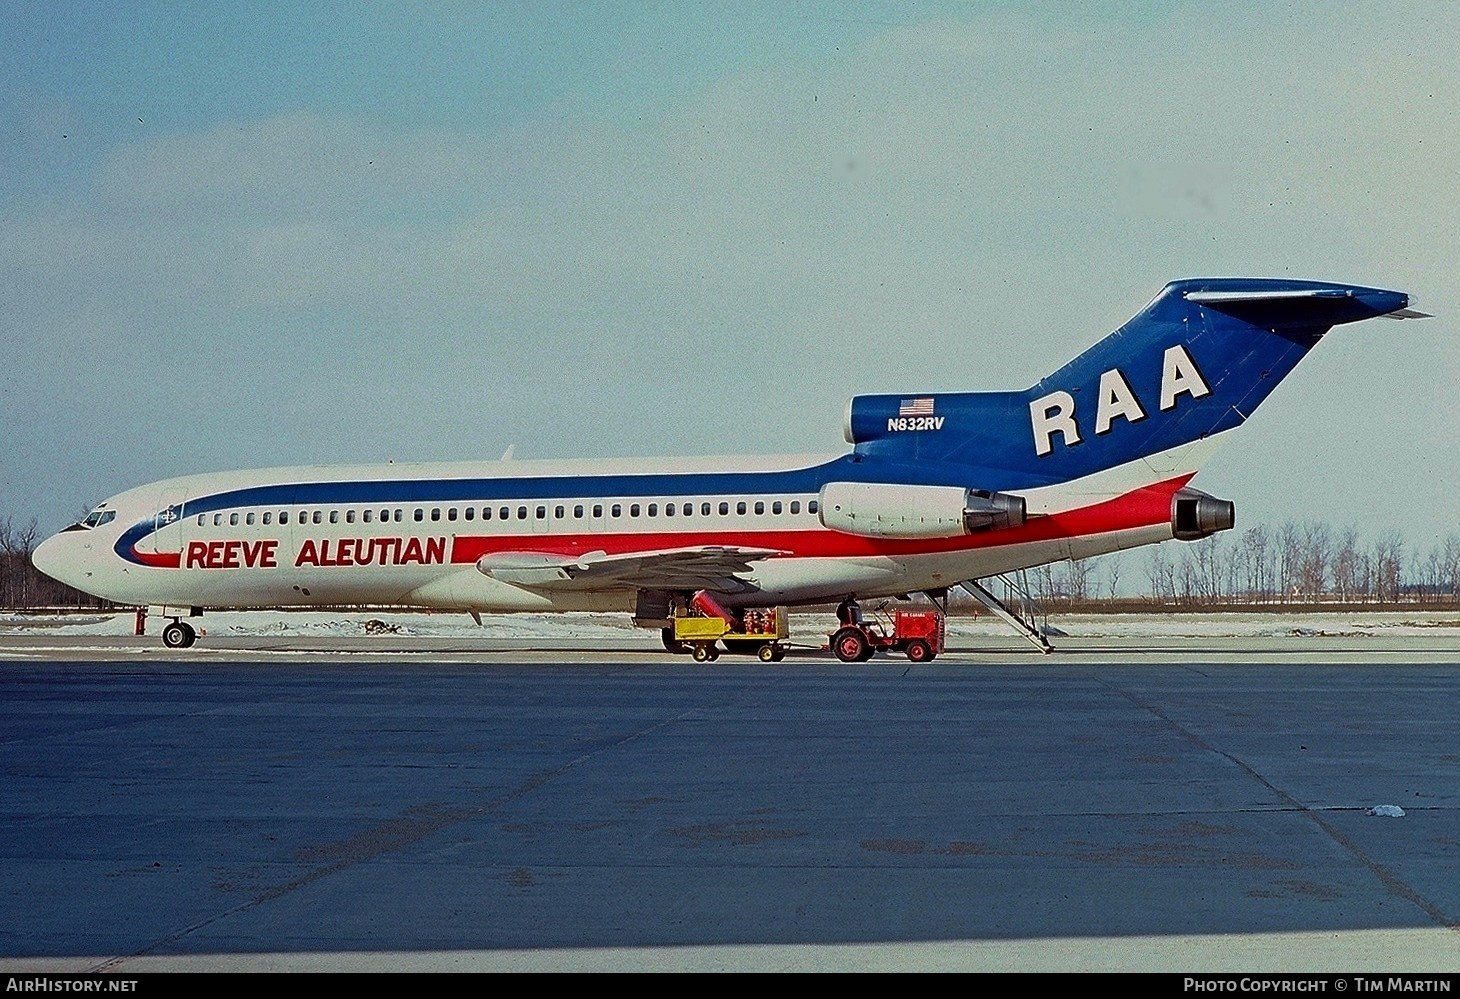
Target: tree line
(1296, 563)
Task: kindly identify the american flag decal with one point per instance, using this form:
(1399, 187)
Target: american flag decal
(916, 407)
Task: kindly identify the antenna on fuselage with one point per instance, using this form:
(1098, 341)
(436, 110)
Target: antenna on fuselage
(507, 454)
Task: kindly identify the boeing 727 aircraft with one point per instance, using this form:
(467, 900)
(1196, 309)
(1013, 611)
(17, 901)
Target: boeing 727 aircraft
(938, 489)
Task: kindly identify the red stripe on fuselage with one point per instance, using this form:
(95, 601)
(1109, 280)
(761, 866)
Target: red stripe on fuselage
(158, 560)
(1140, 508)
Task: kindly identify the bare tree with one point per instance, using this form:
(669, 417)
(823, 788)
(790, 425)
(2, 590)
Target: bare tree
(1388, 564)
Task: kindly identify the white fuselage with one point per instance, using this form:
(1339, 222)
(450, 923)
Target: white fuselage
(414, 534)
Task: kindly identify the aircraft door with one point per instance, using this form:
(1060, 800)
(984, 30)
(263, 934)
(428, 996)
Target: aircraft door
(169, 524)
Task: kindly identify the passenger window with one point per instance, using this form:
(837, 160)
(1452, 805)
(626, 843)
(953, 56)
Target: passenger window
(598, 509)
(541, 513)
(435, 513)
(317, 516)
(689, 508)
(704, 509)
(653, 509)
(811, 507)
(400, 515)
(451, 513)
(724, 509)
(217, 520)
(248, 519)
(776, 507)
(283, 517)
(349, 516)
(418, 515)
(759, 509)
(486, 513)
(795, 506)
(633, 510)
(669, 509)
(740, 507)
(616, 510)
(334, 516)
(578, 511)
(268, 516)
(502, 513)
(201, 518)
(469, 513)
(233, 520)
(367, 515)
(522, 513)
(558, 512)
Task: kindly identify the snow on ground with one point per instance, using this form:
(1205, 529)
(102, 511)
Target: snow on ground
(805, 626)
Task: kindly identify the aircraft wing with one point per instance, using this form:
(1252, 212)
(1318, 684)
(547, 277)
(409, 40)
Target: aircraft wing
(711, 567)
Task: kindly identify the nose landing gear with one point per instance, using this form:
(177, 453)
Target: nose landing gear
(179, 635)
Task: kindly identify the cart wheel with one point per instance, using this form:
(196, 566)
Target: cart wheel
(767, 653)
(850, 645)
(703, 653)
(919, 651)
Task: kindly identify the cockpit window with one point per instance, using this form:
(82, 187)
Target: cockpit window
(96, 518)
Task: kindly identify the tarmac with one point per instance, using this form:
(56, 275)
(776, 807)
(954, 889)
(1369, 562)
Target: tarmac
(1204, 805)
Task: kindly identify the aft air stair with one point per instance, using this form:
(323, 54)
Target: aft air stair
(1024, 616)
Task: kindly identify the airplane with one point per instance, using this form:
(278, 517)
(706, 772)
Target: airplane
(938, 489)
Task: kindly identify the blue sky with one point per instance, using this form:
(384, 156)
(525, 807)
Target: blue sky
(259, 234)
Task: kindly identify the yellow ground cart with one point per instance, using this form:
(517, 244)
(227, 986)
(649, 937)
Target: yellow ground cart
(763, 631)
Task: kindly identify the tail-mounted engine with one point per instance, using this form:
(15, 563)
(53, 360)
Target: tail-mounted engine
(880, 510)
(1195, 515)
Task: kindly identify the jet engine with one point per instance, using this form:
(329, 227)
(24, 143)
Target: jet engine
(881, 510)
(1194, 514)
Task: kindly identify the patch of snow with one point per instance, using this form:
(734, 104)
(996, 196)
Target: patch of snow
(1391, 811)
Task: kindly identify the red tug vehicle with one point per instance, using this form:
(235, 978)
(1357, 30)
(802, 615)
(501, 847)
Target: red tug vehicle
(919, 635)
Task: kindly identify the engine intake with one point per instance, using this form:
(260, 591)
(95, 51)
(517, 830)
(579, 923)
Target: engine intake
(1194, 514)
(881, 510)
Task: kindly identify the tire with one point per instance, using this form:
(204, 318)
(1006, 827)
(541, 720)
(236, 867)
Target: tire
(703, 653)
(767, 653)
(672, 644)
(178, 635)
(780, 654)
(919, 651)
(851, 646)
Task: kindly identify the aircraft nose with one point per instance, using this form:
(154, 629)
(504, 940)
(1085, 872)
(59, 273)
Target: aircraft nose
(56, 557)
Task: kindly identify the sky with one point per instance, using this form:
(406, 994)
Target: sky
(246, 235)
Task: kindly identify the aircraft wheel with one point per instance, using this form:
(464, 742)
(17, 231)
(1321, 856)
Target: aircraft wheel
(178, 635)
(919, 651)
(767, 653)
(672, 644)
(851, 646)
(703, 653)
